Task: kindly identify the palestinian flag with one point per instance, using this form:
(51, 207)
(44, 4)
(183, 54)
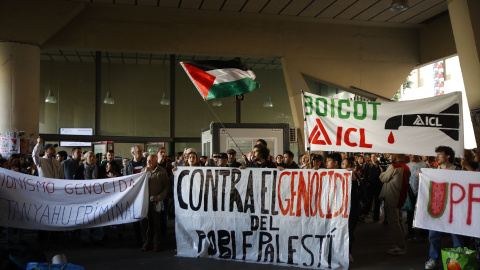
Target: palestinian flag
(218, 79)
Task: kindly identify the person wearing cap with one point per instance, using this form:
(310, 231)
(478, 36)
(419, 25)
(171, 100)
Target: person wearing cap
(48, 166)
(221, 159)
(232, 159)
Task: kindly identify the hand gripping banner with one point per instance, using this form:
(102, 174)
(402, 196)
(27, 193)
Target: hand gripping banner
(290, 217)
(32, 202)
(407, 127)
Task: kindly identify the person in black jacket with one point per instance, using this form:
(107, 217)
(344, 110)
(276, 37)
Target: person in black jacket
(374, 186)
(261, 154)
(288, 162)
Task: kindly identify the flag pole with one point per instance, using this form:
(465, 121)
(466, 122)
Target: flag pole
(305, 129)
(228, 133)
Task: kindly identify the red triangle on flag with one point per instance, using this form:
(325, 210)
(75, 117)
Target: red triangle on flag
(14, 140)
(202, 79)
(317, 132)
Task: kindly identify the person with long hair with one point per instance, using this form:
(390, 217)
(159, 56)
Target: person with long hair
(112, 169)
(192, 160)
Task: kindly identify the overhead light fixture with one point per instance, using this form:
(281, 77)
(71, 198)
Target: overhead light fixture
(399, 5)
(109, 99)
(268, 103)
(217, 103)
(50, 98)
(165, 101)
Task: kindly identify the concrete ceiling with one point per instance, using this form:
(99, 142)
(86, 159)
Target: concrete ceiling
(342, 10)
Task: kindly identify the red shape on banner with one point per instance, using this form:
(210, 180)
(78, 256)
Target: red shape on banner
(391, 139)
(317, 132)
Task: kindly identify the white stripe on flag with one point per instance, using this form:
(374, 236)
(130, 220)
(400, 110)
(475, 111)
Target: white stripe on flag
(230, 75)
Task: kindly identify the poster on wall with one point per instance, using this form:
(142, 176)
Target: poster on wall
(439, 78)
(3, 146)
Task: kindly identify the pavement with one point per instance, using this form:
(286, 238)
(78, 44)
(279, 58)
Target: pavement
(369, 252)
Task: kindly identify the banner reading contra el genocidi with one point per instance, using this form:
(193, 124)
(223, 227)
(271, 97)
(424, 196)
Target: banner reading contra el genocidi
(289, 217)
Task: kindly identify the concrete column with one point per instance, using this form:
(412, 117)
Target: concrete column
(19, 88)
(465, 19)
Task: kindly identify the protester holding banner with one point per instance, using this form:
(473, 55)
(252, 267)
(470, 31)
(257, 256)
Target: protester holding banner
(303, 161)
(288, 162)
(394, 190)
(232, 159)
(260, 155)
(192, 159)
(279, 160)
(88, 170)
(70, 165)
(112, 170)
(222, 159)
(317, 162)
(415, 166)
(158, 190)
(445, 158)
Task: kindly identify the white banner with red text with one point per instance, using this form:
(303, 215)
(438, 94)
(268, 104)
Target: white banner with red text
(449, 201)
(290, 217)
(32, 202)
(406, 127)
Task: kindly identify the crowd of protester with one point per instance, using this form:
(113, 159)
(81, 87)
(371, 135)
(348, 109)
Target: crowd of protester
(376, 186)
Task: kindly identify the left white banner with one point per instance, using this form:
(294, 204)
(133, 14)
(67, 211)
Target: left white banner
(32, 202)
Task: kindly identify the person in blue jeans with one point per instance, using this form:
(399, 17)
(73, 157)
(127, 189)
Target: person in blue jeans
(445, 159)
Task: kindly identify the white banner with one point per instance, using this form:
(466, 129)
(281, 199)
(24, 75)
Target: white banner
(32, 202)
(290, 217)
(407, 127)
(449, 201)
